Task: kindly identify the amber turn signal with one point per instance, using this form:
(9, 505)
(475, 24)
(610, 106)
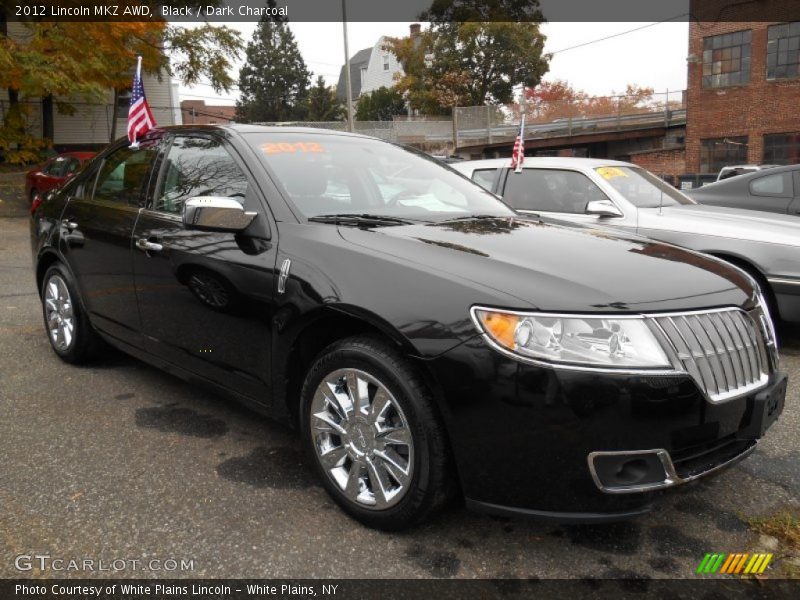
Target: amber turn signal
(500, 326)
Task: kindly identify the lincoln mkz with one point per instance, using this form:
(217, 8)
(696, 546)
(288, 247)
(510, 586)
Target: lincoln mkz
(428, 341)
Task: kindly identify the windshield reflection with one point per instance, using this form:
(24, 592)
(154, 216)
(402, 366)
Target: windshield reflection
(641, 188)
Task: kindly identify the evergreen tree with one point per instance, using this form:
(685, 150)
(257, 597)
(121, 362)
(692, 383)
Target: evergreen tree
(274, 80)
(322, 103)
(380, 105)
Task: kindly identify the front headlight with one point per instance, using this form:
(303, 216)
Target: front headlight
(582, 341)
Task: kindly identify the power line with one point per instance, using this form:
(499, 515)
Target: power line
(207, 97)
(621, 33)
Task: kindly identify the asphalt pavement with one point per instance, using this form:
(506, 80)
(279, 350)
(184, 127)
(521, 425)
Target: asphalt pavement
(120, 461)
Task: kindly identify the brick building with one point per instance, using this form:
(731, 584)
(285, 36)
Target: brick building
(199, 113)
(743, 95)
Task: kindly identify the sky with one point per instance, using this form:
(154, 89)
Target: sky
(647, 54)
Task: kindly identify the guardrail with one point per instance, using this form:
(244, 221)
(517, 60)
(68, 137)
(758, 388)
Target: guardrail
(569, 126)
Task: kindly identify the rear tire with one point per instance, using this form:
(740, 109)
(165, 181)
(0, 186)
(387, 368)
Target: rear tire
(71, 335)
(383, 457)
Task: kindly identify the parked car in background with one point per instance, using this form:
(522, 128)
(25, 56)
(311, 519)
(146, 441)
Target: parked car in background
(620, 195)
(736, 170)
(776, 190)
(54, 172)
(425, 339)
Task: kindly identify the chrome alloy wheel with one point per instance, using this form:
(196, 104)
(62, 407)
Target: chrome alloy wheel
(362, 438)
(59, 313)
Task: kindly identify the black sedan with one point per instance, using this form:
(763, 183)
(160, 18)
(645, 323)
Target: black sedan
(427, 341)
(772, 190)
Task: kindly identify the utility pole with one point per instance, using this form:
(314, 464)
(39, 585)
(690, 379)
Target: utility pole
(347, 70)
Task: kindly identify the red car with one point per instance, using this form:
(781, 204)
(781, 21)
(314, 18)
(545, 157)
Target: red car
(54, 172)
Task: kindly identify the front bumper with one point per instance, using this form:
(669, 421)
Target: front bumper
(522, 435)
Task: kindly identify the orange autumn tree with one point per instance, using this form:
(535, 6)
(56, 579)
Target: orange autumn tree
(66, 62)
(551, 100)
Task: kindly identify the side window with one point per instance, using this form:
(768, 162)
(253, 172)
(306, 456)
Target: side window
(73, 164)
(56, 167)
(198, 166)
(484, 178)
(124, 175)
(551, 190)
(778, 184)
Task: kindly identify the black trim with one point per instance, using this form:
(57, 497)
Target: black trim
(556, 517)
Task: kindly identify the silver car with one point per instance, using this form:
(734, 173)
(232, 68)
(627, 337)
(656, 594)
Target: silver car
(620, 195)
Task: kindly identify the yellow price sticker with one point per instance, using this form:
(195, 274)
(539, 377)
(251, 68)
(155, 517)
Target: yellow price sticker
(610, 172)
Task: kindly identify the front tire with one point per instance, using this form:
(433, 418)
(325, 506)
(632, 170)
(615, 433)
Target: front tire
(369, 422)
(68, 329)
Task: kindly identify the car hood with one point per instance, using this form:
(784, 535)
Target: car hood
(561, 268)
(754, 225)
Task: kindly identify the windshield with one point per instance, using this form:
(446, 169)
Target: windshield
(336, 174)
(641, 188)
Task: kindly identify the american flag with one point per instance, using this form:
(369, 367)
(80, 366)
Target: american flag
(140, 117)
(518, 154)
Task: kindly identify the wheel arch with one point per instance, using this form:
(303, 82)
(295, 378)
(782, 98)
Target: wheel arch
(47, 258)
(321, 329)
(753, 270)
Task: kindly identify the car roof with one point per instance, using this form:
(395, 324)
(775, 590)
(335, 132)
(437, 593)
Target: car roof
(542, 161)
(78, 155)
(746, 177)
(247, 128)
(749, 167)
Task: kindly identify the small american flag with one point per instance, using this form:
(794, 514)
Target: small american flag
(518, 154)
(140, 117)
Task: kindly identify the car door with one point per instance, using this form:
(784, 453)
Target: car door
(772, 192)
(97, 224)
(561, 194)
(205, 298)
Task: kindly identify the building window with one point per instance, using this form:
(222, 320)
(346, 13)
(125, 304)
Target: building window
(726, 59)
(123, 104)
(385, 62)
(721, 152)
(782, 148)
(783, 50)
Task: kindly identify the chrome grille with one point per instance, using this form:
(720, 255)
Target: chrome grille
(723, 350)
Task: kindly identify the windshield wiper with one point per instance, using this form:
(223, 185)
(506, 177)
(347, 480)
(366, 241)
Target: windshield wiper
(470, 217)
(360, 219)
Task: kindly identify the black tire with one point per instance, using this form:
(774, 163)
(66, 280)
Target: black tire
(432, 479)
(85, 343)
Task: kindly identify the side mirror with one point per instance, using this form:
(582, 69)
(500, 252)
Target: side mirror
(603, 208)
(215, 213)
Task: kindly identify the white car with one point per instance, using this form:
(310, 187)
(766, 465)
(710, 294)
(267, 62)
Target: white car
(620, 195)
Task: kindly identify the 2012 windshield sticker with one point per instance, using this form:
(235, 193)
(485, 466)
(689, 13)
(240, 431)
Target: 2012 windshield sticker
(292, 148)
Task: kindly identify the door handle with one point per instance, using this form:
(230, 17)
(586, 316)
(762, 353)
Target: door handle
(148, 246)
(69, 224)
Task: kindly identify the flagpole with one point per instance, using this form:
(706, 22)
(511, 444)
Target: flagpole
(135, 143)
(522, 141)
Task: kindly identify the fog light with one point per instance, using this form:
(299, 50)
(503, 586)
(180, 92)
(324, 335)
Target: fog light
(629, 471)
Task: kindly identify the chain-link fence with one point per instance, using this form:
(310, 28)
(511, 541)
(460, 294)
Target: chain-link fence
(480, 125)
(429, 134)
